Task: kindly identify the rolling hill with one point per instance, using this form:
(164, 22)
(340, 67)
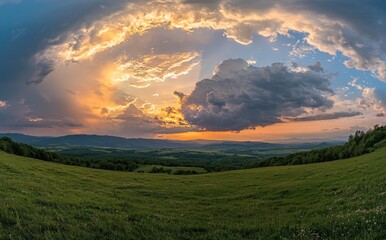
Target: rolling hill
(97, 141)
(262, 149)
(343, 199)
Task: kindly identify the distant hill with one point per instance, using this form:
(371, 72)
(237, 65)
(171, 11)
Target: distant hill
(116, 153)
(98, 141)
(141, 143)
(32, 140)
(252, 147)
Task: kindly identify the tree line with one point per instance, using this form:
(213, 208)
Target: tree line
(21, 149)
(358, 144)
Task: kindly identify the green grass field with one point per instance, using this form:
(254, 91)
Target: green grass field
(344, 199)
(148, 168)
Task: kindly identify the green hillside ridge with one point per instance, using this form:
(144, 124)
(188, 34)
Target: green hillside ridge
(332, 200)
(130, 160)
(358, 144)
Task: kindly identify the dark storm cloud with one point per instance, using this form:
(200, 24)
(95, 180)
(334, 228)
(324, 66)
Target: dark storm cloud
(32, 26)
(326, 116)
(357, 14)
(354, 28)
(239, 96)
(19, 116)
(26, 29)
(44, 123)
(362, 29)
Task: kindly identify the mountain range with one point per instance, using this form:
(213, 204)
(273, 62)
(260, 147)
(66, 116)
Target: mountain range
(104, 141)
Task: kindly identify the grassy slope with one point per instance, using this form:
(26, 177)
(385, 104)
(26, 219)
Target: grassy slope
(148, 168)
(335, 200)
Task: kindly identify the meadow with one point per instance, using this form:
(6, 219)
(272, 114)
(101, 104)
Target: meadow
(173, 170)
(344, 199)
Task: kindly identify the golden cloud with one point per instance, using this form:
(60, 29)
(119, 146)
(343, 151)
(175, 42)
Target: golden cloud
(238, 23)
(142, 71)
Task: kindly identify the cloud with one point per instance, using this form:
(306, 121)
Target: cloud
(317, 67)
(25, 37)
(327, 27)
(68, 42)
(42, 69)
(3, 104)
(81, 30)
(370, 101)
(141, 72)
(138, 121)
(45, 123)
(19, 116)
(301, 49)
(230, 67)
(104, 111)
(326, 116)
(180, 96)
(239, 96)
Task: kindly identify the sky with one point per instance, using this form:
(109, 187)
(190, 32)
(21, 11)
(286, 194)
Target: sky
(243, 70)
